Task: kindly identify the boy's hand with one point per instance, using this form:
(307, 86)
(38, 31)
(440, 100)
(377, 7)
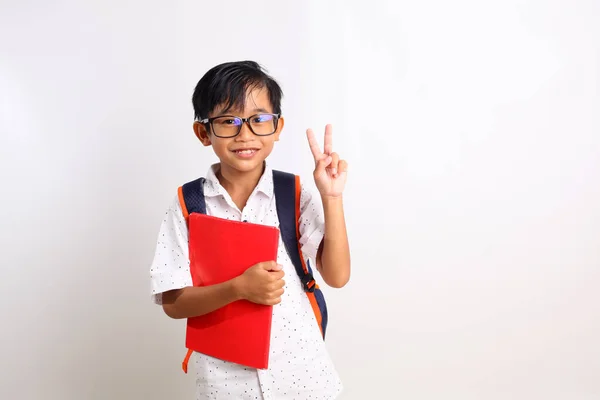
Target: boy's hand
(330, 172)
(262, 283)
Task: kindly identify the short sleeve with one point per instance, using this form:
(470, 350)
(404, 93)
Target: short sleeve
(170, 268)
(311, 223)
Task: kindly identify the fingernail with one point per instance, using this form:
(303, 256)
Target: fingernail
(334, 170)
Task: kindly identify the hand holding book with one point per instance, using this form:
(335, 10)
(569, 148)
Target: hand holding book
(262, 283)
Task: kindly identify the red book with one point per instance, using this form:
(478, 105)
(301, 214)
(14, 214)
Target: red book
(220, 250)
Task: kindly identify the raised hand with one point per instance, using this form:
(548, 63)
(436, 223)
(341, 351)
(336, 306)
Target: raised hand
(330, 172)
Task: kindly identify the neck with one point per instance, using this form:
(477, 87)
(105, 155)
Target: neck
(239, 184)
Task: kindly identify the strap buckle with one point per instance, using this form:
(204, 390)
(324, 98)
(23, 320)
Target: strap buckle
(308, 282)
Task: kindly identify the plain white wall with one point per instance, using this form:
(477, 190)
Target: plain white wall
(473, 135)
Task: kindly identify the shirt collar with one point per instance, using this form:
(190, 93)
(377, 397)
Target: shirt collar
(213, 187)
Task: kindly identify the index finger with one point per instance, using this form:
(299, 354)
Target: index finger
(314, 146)
(328, 147)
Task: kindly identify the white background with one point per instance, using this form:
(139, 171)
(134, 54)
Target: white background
(472, 130)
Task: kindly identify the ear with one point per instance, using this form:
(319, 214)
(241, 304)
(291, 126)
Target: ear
(280, 124)
(201, 133)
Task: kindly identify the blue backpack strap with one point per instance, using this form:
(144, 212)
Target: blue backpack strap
(287, 197)
(191, 198)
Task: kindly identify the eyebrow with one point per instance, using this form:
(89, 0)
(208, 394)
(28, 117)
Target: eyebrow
(260, 110)
(256, 110)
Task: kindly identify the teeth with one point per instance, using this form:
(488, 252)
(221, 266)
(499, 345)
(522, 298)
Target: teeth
(245, 151)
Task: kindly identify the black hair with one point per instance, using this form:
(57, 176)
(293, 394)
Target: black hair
(227, 84)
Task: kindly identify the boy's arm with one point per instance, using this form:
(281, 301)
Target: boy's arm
(195, 301)
(333, 256)
(262, 284)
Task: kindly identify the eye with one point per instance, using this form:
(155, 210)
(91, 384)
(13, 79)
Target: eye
(262, 118)
(227, 121)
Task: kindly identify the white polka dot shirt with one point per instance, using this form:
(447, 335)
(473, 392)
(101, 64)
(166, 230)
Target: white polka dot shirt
(299, 365)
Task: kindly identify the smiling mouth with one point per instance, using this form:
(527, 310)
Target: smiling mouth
(245, 153)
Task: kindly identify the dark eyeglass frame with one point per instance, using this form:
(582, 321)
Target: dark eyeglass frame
(209, 121)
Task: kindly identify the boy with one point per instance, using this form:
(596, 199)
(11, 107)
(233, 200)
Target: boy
(238, 112)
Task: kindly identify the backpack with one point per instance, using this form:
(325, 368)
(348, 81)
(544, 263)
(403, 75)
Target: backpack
(287, 196)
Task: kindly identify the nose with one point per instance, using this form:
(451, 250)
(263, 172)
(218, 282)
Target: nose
(245, 134)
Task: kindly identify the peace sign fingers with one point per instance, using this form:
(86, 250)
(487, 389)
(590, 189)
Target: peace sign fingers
(314, 146)
(328, 148)
(330, 171)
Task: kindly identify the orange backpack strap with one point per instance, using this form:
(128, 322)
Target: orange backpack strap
(186, 360)
(184, 210)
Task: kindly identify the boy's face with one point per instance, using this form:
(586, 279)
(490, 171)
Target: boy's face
(245, 152)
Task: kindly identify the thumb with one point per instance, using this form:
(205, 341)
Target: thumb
(271, 266)
(322, 164)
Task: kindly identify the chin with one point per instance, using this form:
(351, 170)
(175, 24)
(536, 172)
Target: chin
(245, 165)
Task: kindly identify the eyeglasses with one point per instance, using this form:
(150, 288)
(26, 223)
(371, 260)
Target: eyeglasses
(228, 126)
